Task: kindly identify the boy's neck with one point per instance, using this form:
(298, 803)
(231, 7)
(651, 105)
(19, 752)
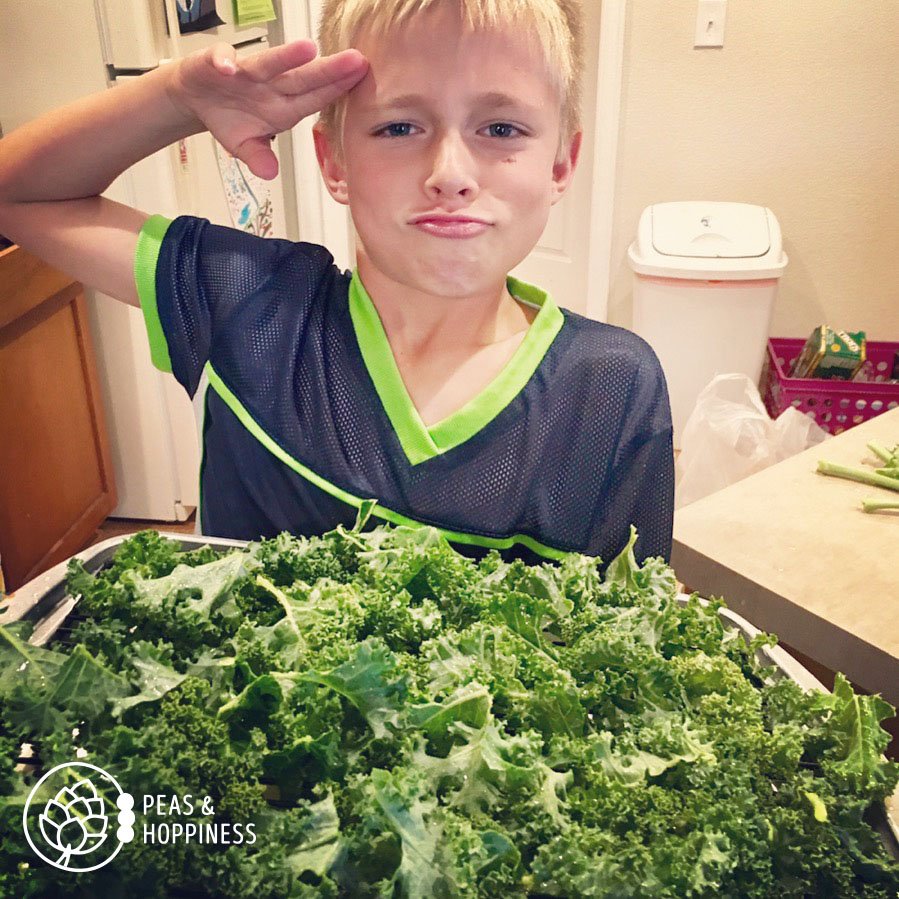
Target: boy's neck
(418, 322)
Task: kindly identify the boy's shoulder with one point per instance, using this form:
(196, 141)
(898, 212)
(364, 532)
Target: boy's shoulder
(608, 347)
(215, 243)
(603, 371)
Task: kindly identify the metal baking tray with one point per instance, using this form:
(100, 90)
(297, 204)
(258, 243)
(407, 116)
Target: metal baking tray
(45, 602)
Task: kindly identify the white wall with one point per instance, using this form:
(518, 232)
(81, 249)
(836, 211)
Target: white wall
(799, 112)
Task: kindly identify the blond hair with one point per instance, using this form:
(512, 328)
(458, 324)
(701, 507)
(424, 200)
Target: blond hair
(556, 24)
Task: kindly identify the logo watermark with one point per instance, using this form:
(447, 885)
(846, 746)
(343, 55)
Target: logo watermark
(77, 818)
(70, 831)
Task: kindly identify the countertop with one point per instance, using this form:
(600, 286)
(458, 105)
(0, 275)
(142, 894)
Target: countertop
(791, 551)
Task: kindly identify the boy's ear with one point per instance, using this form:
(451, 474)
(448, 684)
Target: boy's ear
(565, 164)
(331, 165)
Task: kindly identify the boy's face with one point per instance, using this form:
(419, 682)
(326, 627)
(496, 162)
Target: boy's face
(453, 151)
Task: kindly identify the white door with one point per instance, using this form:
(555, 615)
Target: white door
(561, 261)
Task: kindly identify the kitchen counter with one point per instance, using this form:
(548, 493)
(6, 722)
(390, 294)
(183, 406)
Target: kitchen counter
(792, 551)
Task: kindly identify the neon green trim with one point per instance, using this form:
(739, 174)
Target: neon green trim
(483, 408)
(200, 504)
(146, 255)
(419, 441)
(247, 420)
(378, 357)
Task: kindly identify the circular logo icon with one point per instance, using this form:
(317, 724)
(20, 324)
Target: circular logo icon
(67, 817)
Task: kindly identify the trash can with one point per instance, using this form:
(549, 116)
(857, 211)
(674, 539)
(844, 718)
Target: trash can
(705, 280)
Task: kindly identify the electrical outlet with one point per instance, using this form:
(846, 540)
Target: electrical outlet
(710, 16)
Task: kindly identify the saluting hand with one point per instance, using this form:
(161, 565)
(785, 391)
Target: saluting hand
(245, 103)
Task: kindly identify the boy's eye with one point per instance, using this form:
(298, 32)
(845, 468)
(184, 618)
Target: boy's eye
(403, 129)
(507, 127)
(392, 129)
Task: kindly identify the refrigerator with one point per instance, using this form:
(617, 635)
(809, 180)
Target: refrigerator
(52, 53)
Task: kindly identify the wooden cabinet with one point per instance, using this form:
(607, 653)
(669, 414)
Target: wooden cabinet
(56, 478)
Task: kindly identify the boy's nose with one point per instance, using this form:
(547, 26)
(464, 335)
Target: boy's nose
(452, 169)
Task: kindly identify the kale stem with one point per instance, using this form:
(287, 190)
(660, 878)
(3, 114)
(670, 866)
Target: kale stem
(282, 601)
(881, 452)
(857, 474)
(875, 505)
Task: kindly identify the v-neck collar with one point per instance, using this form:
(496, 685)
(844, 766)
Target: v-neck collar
(419, 441)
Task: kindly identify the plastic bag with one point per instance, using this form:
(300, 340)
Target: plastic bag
(729, 435)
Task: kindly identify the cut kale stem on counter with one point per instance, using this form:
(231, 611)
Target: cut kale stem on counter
(400, 721)
(888, 457)
(876, 505)
(862, 475)
(886, 477)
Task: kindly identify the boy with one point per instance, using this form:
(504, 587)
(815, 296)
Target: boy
(428, 379)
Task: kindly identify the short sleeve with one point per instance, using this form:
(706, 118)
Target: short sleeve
(191, 277)
(644, 468)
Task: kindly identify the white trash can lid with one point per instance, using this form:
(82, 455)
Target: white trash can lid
(708, 241)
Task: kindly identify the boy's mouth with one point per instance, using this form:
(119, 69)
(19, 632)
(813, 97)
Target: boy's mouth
(451, 225)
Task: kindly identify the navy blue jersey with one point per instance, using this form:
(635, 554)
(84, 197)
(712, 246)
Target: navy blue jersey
(306, 415)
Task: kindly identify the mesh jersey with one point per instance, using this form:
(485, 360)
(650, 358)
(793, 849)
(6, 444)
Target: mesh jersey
(302, 424)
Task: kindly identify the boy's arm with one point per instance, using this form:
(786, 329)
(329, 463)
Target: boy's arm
(53, 169)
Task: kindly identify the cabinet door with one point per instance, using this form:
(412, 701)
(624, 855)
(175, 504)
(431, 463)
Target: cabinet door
(56, 481)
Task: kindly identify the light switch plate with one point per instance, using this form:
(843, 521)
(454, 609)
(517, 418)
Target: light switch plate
(710, 15)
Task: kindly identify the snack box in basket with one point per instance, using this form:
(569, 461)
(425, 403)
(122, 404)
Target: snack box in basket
(835, 405)
(831, 354)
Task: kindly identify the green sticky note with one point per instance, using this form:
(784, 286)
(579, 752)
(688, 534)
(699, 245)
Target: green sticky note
(253, 12)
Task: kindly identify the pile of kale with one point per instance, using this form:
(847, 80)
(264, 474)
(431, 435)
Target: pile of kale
(401, 721)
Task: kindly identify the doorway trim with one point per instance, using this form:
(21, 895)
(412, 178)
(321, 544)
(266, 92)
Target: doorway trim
(610, 78)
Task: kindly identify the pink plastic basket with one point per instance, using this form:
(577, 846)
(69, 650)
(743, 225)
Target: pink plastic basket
(834, 405)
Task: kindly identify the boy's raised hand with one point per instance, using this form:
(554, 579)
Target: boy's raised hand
(244, 104)
(54, 169)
